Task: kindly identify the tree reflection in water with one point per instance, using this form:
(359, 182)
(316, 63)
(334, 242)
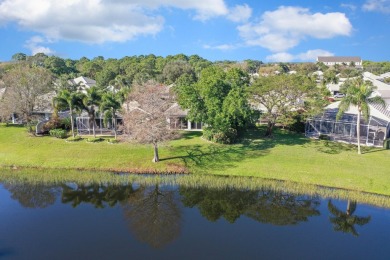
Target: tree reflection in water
(345, 221)
(265, 206)
(153, 215)
(34, 196)
(95, 194)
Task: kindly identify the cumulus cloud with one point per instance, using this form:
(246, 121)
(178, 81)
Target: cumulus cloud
(240, 13)
(98, 21)
(287, 26)
(35, 45)
(382, 6)
(310, 55)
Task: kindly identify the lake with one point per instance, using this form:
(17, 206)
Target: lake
(132, 221)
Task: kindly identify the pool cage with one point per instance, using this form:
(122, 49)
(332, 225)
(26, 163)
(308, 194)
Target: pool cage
(372, 133)
(84, 126)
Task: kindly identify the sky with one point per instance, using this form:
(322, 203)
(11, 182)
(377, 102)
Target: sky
(266, 30)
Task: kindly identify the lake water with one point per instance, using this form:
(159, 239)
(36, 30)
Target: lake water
(71, 221)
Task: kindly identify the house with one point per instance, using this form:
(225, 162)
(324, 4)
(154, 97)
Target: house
(83, 83)
(340, 60)
(373, 132)
(177, 119)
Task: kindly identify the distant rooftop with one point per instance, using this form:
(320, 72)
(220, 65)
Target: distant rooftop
(345, 59)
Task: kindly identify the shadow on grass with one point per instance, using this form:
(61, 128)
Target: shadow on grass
(372, 150)
(333, 147)
(210, 156)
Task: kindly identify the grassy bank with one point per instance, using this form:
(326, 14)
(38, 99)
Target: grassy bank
(287, 157)
(58, 177)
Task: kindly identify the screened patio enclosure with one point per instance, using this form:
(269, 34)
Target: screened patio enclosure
(84, 126)
(372, 133)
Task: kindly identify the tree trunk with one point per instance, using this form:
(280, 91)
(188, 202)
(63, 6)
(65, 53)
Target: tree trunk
(155, 159)
(270, 127)
(348, 208)
(71, 120)
(91, 114)
(114, 122)
(358, 131)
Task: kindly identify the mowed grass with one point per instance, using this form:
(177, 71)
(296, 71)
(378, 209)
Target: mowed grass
(290, 157)
(17, 148)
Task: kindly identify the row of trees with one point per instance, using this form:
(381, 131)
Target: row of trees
(224, 97)
(128, 70)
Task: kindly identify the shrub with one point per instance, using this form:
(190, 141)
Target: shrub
(94, 140)
(324, 137)
(65, 123)
(223, 137)
(52, 124)
(58, 133)
(112, 141)
(74, 139)
(298, 125)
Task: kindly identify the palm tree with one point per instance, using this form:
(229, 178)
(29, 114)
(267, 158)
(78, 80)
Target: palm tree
(346, 221)
(359, 93)
(111, 102)
(71, 100)
(90, 101)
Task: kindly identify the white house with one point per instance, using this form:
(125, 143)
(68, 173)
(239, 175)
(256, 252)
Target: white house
(83, 83)
(382, 88)
(340, 60)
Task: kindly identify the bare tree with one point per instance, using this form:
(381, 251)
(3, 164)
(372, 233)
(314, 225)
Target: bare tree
(145, 119)
(24, 90)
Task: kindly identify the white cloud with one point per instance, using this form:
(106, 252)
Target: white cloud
(35, 44)
(382, 6)
(240, 13)
(286, 27)
(222, 47)
(205, 9)
(310, 55)
(280, 57)
(98, 21)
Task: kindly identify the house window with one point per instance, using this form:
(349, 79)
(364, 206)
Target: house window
(196, 125)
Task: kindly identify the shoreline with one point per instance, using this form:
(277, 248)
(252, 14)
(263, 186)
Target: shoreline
(56, 176)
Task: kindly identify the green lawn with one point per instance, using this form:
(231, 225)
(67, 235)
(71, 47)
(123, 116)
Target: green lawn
(288, 156)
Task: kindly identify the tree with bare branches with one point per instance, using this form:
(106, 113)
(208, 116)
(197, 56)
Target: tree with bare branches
(25, 87)
(145, 118)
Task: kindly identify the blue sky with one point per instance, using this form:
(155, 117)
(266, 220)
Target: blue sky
(267, 30)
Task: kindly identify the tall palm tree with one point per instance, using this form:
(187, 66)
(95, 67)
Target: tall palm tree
(111, 102)
(346, 221)
(359, 93)
(71, 100)
(92, 100)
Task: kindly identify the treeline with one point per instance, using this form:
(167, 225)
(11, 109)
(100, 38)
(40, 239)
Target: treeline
(130, 69)
(226, 96)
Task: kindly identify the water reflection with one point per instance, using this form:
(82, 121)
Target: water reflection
(153, 215)
(34, 196)
(95, 194)
(264, 206)
(345, 221)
